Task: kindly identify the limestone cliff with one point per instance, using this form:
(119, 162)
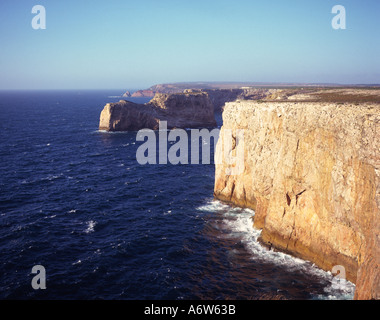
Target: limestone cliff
(311, 172)
(185, 110)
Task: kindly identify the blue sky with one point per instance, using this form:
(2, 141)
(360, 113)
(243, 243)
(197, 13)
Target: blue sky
(92, 44)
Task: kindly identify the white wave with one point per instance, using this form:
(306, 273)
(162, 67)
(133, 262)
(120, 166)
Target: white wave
(51, 177)
(337, 290)
(47, 178)
(90, 226)
(214, 206)
(111, 132)
(239, 222)
(50, 217)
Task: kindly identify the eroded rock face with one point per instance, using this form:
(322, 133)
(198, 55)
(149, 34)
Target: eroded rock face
(311, 172)
(184, 110)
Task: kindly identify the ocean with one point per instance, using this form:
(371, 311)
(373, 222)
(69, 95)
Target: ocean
(75, 201)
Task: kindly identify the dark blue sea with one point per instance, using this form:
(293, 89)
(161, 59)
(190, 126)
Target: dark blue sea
(76, 201)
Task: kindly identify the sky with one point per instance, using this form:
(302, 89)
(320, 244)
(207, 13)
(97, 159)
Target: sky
(92, 44)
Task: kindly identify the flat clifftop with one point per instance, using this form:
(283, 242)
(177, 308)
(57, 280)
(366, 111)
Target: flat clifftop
(185, 110)
(338, 95)
(311, 172)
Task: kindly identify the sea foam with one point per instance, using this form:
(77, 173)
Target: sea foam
(239, 222)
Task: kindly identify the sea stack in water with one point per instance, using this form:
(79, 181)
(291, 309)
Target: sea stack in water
(181, 110)
(311, 172)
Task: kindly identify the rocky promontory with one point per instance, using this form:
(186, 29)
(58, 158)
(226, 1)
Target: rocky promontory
(311, 172)
(181, 110)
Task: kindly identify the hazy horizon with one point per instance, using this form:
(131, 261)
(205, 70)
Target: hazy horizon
(99, 45)
(269, 84)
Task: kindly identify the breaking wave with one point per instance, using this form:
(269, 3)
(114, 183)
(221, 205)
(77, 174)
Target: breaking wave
(238, 223)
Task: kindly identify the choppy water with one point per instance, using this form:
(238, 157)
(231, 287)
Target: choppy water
(76, 201)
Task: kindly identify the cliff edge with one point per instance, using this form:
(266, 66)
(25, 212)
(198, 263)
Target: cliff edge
(311, 172)
(182, 110)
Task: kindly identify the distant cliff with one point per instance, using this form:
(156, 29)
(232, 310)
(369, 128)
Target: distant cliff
(143, 93)
(220, 96)
(222, 92)
(311, 172)
(183, 110)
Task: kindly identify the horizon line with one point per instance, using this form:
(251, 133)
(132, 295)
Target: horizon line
(251, 83)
